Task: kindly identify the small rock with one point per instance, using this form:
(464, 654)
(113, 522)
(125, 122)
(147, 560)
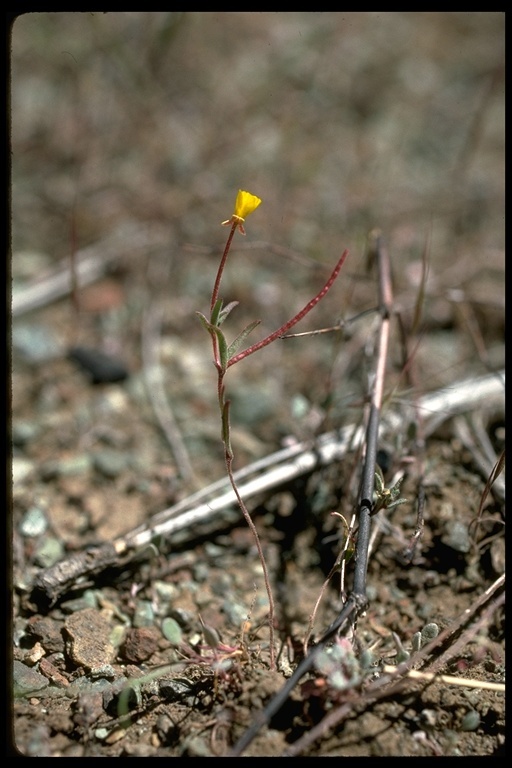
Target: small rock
(36, 343)
(24, 432)
(47, 631)
(101, 368)
(26, 679)
(235, 612)
(110, 464)
(140, 644)
(34, 655)
(144, 615)
(77, 465)
(89, 599)
(470, 721)
(34, 522)
(89, 639)
(48, 552)
(139, 750)
(50, 671)
(21, 469)
(456, 536)
(197, 747)
(88, 708)
(176, 689)
(106, 671)
(164, 727)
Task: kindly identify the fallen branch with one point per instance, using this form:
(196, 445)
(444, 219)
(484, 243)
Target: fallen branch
(91, 264)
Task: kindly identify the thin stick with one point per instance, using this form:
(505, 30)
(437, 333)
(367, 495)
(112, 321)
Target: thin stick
(153, 377)
(462, 682)
(372, 432)
(356, 601)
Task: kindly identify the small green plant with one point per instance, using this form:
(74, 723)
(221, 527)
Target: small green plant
(386, 498)
(227, 354)
(339, 670)
(226, 661)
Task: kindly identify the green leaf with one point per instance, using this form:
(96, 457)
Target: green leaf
(237, 343)
(223, 345)
(214, 317)
(225, 312)
(226, 435)
(223, 348)
(204, 321)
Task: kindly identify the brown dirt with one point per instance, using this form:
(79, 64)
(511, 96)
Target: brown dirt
(341, 123)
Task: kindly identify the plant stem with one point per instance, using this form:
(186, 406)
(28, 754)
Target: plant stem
(215, 292)
(253, 529)
(290, 323)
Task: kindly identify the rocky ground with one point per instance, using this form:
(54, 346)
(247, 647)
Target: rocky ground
(131, 134)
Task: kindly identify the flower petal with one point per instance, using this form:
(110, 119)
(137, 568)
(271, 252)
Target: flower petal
(245, 204)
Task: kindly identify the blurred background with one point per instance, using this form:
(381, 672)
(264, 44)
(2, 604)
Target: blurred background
(341, 122)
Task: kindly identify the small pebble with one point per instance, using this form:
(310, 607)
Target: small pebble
(110, 464)
(48, 552)
(77, 465)
(236, 613)
(35, 343)
(88, 642)
(470, 721)
(456, 536)
(26, 680)
(21, 469)
(140, 644)
(100, 367)
(47, 631)
(34, 522)
(23, 432)
(144, 615)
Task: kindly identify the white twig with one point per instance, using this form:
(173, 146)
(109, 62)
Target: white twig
(288, 464)
(154, 380)
(92, 263)
(463, 682)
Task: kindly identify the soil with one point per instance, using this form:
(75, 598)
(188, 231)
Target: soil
(141, 127)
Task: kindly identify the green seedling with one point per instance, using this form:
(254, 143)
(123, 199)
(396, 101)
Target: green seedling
(386, 498)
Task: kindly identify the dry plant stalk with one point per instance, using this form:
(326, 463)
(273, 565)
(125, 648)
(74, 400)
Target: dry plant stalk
(357, 600)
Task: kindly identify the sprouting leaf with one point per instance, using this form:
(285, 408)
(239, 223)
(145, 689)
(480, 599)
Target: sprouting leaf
(225, 312)
(204, 321)
(217, 308)
(223, 345)
(223, 348)
(236, 344)
(211, 635)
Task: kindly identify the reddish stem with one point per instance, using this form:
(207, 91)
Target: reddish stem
(215, 292)
(290, 323)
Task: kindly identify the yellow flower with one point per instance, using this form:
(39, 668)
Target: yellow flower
(245, 204)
